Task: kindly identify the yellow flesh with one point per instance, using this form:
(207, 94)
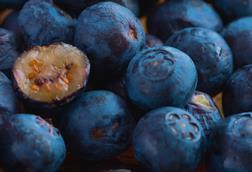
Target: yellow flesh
(202, 101)
(65, 68)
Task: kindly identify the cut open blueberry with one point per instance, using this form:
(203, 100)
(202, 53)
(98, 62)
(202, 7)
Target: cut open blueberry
(51, 75)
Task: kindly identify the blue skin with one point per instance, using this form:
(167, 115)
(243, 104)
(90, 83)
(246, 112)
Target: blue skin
(174, 142)
(117, 37)
(231, 149)
(11, 23)
(210, 53)
(8, 101)
(161, 76)
(29, 144)
(8, 49)
(75, 7)
(238, 35)
(97, 126)
(208, 117)
(118, 87)
(233, 9)
(237, 95)
(176, 15)
(152, 41)
(43, 24)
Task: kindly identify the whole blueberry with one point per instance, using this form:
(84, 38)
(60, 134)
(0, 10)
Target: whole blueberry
(132, 5)
(237, 95)
(29, 144)
(119, 88)
(43, 24)
(231, 149)
(152, 41)
(97, 126)
(233, 9)
(210, 53)
(161, 76)
(8, 49)
(11, 23)
(8, 100)
(238, 35)
(203, 108)
(169, 139)
(111, 35)
(176, 15)
(116, 86)
(75, 7)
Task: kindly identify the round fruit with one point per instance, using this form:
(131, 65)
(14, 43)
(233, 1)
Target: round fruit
(233, 9)
(11, 23)
(210, 53)
(8, 100)
(29, 144)
(152, 41)
(237, 95)
(238, 35)
(42, 24)
(161, 76)
(75, 7)
(169, 139)
(111, 35)
(51, 75)
(97, 126)
(8, 49)
(231, 148)
(173, 16)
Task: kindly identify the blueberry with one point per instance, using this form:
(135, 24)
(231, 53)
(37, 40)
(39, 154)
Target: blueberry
(237, 95)
(8, 101)
(75, 7)
(119, 87)
(233, 9)
(97, 126)
(8, 49)
(29, 144)
(203, 108)
(161, 76)
(176, 15)
(169, 139)
(238, 35)
(210, 53)
(43, 24)
(11, 23)
(110, 35)
(231, 149)
(116, 86)
(152, 41)
(50, 76)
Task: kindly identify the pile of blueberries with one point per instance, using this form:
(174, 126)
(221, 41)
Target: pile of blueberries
(109, 85)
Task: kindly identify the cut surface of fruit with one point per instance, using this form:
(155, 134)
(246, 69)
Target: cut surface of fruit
(51, 73)
(201, 100)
